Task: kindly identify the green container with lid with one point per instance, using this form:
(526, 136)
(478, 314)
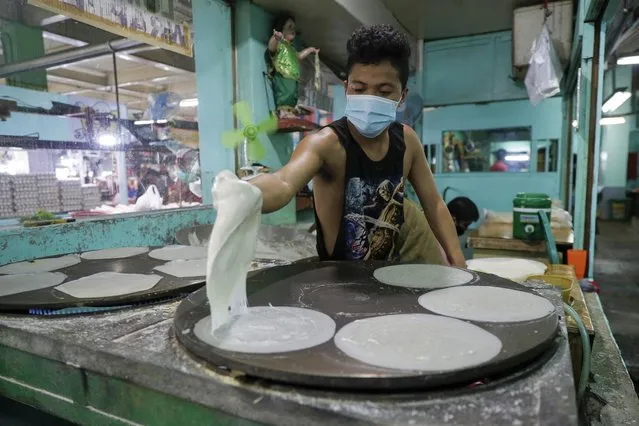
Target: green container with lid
(526, 222)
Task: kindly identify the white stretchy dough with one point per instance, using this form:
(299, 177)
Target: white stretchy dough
(114, 253)
(417, 342)
(231, 246)
(486, 304)
(14, 284)
(108, 284)
(41, 265)
(179, 253)
(422, 276)
(514, 269)
(184, 268)
(268, 329)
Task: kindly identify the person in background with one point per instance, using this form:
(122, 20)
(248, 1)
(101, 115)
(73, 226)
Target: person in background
(500, 165)
(132, 189)
(464, 213)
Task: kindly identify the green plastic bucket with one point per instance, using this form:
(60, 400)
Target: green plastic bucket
(526, 222)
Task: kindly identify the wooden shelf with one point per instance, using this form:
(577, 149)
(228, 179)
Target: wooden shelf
(291, 125)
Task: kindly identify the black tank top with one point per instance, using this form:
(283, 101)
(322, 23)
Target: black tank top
(373, 206)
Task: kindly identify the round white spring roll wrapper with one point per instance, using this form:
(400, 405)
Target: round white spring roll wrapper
(417, 342)
(486, 304)
(513, 269)
(21, 283)
(268, 329)
(422, 276)
(184, 268)
(108, 284)
(231, 246)
(40, 265)
(179, 253)
(114, 253)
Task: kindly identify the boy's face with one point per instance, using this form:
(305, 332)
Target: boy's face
(375, 79)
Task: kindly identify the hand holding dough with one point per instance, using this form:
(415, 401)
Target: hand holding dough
(231, 246)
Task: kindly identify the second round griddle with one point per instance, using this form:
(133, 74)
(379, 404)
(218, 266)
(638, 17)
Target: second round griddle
(347, 291)
(168, 287)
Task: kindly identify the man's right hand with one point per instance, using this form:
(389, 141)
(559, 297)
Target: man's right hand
(278, 35)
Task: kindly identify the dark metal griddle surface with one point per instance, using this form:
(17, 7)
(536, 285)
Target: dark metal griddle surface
(347, 291)
(50, 298)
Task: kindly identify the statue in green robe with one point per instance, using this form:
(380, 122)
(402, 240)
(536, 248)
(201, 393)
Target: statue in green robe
(284, 65)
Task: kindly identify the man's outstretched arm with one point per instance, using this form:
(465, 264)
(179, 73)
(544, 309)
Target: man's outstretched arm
(279, 188)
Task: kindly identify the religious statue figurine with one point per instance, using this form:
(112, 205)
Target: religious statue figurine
(284, 66)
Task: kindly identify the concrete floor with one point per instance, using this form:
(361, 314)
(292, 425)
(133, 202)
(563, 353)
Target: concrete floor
(617, 273)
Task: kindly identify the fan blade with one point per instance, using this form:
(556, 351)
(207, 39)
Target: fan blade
(232, 138)
(242, 111)
(256, 150)
(270, 125)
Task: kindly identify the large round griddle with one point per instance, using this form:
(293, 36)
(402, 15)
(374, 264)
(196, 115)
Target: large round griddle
(50, 298)
(347, 291)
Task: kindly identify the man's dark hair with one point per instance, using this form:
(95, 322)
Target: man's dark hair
(463, 209)
(280, 21)
(501, 154)
(374, 44)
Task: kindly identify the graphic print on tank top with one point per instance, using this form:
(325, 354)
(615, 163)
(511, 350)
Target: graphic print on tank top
(373, 209)
(373, 216)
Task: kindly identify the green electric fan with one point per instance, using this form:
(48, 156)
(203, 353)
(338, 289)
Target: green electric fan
(249, 132)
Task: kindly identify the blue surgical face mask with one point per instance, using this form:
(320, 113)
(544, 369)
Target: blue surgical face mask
(370, 115)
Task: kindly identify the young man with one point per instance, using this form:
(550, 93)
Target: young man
(359, 164)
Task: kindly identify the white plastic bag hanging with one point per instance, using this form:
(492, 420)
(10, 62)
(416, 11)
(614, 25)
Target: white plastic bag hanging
(150, 200)
(545, 72)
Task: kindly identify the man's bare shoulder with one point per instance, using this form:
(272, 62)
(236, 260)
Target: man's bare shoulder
(410, 137)
(324, 141)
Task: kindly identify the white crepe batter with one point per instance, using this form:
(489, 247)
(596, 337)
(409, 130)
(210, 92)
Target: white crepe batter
(108, 284)
(231, 246)
(179, 253)
(417, 342)
(267, 329)
(422, 276)
(487, 304)
(513, 269)
(114, 253)
(40, 265)
(14, 284)
(184, 268)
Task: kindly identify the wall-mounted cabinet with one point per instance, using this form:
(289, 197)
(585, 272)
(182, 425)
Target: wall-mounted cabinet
(470, 70)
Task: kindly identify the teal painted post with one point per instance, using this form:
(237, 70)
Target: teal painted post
(214, 78)
(253, 27)
(563, 153)
(595, 163)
